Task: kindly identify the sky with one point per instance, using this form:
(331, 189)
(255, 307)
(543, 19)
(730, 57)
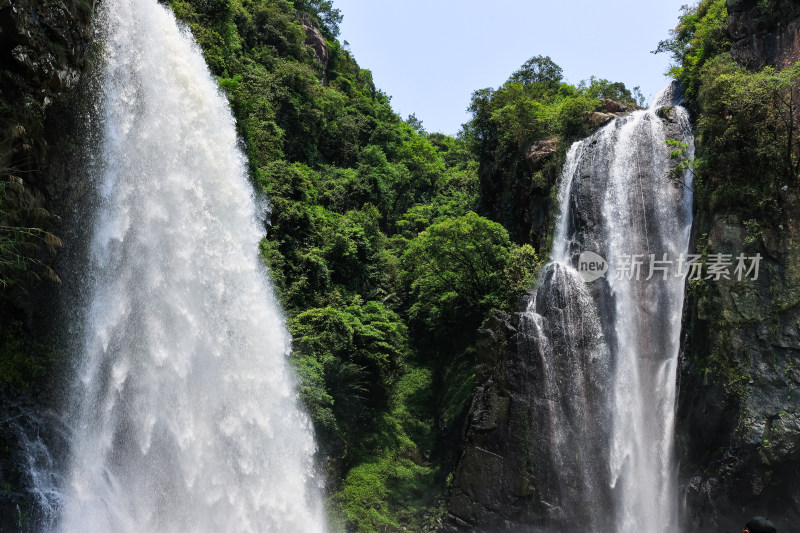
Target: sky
(430, 55)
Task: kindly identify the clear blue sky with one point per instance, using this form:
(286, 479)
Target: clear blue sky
(430, 55)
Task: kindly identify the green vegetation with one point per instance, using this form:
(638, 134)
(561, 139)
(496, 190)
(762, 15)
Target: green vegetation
(701, 34)
(700, 47)
(374, 243)
(534, 105)
(26, 251)
(747, 121)
(746, 171)
(460, 269)
(749, 129)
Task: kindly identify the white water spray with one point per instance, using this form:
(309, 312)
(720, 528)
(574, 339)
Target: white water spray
(186, 416)
(609, 349)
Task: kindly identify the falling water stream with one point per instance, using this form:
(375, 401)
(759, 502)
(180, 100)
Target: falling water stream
(186, 416)
(608, 349)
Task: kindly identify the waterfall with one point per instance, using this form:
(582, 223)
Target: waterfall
(185, 412)
(607, 348)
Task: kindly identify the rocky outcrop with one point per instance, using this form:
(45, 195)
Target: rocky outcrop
(44, 46)
(764, 35)
(738, 418)
(540, 152)
(43, 50)
(612, 106)
(316, 41)
(595, 119)
(739, 407)
(511, 476)
(494, 482)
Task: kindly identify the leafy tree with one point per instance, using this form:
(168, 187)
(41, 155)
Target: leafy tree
(456, 271)
(602, 88)
(349, 359)
(532, 106)
(701, 34)
(749, 128)
(538, 69)
(324, 13)
(415, 123)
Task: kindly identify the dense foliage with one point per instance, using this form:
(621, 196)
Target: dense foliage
(377, 240)
(746, 120)
(380, 260)
(534, 105)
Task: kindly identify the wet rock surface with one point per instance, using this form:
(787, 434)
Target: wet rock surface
(539, 417)
(44, 50)
(44, 45)
(739, 407)
(738, 429)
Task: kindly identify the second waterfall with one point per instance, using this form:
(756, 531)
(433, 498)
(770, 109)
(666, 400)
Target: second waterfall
(185, 414)
(607, 348)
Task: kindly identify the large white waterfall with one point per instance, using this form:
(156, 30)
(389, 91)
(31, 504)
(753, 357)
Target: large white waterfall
(186, 416)
(608, 348)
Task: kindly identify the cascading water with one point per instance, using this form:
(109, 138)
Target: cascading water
(186, 417)
(607, 350)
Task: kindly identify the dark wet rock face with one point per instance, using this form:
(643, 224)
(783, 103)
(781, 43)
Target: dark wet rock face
(739, 407)
(509, 476)
(739, 403)
(543, 423)
(44, 50)
(43, 43)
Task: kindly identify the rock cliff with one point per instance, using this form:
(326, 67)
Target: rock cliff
(540, 412)
(764, 35)
(739, 406)
(739, 422)
(44, 49)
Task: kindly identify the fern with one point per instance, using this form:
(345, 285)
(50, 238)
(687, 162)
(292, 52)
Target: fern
(26, 247)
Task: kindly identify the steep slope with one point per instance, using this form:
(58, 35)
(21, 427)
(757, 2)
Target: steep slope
(361, 205)
(44, 50)
(571, 425)
(739, 425)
